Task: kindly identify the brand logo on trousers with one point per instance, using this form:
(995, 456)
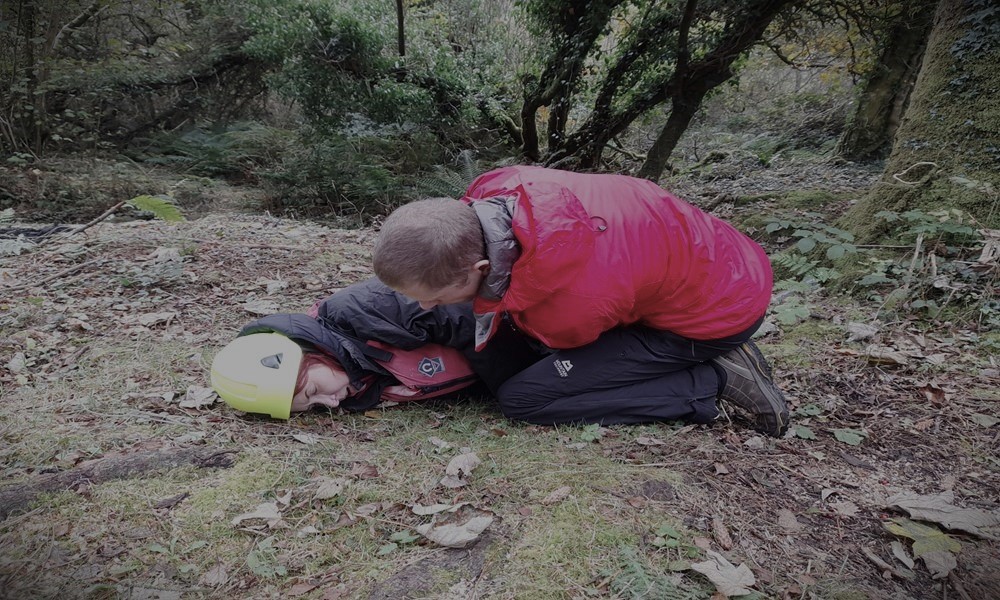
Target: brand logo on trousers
(563, 367)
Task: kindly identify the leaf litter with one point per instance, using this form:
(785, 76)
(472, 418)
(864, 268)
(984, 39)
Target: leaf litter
(917, 428)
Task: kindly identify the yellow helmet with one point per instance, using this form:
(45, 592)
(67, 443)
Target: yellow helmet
(257, 373)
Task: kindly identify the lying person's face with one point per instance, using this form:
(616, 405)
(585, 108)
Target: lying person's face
(322, 385)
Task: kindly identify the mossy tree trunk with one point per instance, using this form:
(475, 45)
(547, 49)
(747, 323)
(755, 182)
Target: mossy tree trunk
(947, 148)
(883, 99)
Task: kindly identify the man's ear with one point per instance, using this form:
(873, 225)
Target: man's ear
(483, 266)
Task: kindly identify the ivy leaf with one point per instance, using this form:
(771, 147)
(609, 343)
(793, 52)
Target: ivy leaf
(935, 548)
(805, 245)
(851, 437)
(809, 410)
(835, 252)
(804, 432)
(403, 537)
(984, 420)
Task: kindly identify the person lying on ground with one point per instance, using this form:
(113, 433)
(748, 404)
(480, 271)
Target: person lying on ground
(363, 345)
(648, 302)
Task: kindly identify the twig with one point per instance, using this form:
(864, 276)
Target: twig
(54, 276)
(955, 583)
(97, 220)
(882, 564)
(918, 247)
(898, 176)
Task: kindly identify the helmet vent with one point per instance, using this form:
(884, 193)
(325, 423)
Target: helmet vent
(273, 361)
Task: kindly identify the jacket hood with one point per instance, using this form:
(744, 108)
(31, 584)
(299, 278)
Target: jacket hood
(354, 356)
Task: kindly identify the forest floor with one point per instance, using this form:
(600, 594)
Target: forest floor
(123, 476)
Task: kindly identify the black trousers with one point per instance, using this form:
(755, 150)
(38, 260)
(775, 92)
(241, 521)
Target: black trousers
(631, 374)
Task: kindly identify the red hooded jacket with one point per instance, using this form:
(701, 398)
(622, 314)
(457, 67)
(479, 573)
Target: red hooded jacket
(573, 255)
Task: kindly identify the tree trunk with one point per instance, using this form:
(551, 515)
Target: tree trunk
(686, 86)
(681, 113)
(947, 147)
(878, 110)
(400, 32)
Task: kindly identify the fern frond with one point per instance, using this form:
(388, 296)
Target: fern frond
(794, 264)
(161, 207)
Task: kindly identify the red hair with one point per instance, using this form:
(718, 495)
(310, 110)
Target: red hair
(314, 358)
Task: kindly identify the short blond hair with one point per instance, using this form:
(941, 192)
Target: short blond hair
(432, 242)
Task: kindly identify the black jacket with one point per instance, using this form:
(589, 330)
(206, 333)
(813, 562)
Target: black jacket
(371, 311)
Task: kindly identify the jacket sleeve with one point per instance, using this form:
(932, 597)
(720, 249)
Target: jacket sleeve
(372, 311)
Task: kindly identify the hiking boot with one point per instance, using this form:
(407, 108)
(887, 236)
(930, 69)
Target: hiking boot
(751, 391)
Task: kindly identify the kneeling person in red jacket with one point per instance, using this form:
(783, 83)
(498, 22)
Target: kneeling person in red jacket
(648, 302)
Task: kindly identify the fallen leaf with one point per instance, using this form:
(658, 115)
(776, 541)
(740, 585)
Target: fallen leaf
(305, 438)
(860, 331)
(215, 577)
(433, 509)
(261, 307)
(327, 488)
(364, 471)
(937, 395)
(457, 529)
(984, 420)
(721, 533)
(165, 254)
(881, 355)
(939, 563)
(788, 522)
(939, 508)
(721, 469)
(845, 509)
(150, 319)
(852, 437)
(900, 553)
(930, 544)
(267, 511)
(557, 495)
(198, 397)
(801, 431)
(643, 440)
(439, 443)
(729, 580)
(301, 588)
(463, 464)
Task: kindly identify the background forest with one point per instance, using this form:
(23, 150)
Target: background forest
(857, 140)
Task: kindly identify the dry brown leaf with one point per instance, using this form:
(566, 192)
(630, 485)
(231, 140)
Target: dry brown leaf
(198, 397)
(364, 471)
(729, 579)
(457, 529)
(327, 487)
(151, 319)
(557, 495)
(788, 522)
(939, 508)
(215, 577)
(721, 533)
(267, 511)
(463, 464)
(882, 355)
(845, 509)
